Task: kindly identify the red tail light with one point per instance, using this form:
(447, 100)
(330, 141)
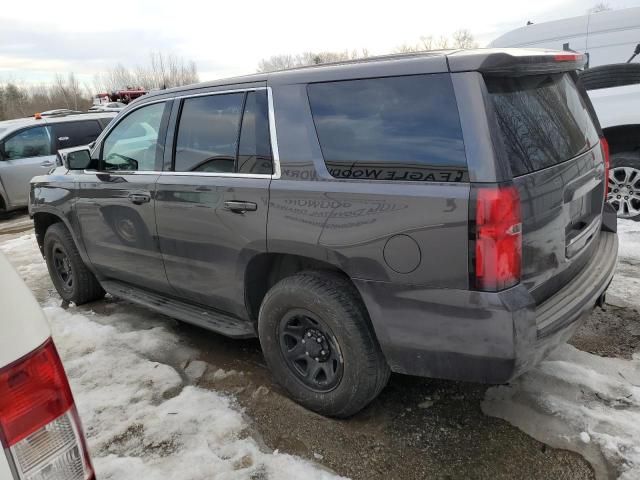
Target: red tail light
(498, 238)
(39, 424)
(567, 57)
(604, 145)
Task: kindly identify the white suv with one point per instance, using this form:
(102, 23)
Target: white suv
(40, 431)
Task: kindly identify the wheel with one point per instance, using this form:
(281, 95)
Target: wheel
(612, 75)
(317, 339)
(72, 279)
(624, 184)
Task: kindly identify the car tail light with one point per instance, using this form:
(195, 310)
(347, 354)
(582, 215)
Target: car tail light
(604, 145)
(497, 238)
(567, 57)
(39, 424)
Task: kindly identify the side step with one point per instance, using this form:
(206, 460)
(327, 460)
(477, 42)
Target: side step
(196, 314)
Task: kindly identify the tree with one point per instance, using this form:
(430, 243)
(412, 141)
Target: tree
(162, 71)
(600, 7)
(463, 39)
(282, 62)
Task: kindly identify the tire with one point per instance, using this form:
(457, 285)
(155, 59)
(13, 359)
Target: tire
(624, 184)
(328, 309)
(613, 75)
(61, 255)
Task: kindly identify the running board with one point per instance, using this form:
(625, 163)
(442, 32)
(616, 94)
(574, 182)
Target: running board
(196, 314)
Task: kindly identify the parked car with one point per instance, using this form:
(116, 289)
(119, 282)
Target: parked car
(108, 107)
(40, 430)
(436, 214)
(610, 39)
(28, 148)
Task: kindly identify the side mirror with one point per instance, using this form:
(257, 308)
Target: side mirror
(75, 158)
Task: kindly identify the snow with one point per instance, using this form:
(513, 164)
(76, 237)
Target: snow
(143, 417)
(584, 402)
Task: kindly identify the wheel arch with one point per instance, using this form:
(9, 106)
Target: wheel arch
(266, 269)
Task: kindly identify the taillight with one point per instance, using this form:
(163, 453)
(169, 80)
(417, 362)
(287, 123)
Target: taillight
(39, 424)
(604, 145)
(567, 57)
(497, 238)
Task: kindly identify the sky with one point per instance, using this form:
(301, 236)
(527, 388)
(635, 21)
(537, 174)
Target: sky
(41, 38)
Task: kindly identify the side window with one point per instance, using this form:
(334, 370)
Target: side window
(396, 128)
(32, 142)
(254, 153)
(133, 143)
(208, 131)
(74, 134)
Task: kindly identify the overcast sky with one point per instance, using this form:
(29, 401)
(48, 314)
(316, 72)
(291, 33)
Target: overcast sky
(40, 38)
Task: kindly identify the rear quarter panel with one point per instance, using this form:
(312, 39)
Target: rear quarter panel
(349, 223)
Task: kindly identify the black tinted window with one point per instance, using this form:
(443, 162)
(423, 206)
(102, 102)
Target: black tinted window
(32, 142)
(208, 133)
(543, 120)
(74, 134)
(397, 128)
(254, 154)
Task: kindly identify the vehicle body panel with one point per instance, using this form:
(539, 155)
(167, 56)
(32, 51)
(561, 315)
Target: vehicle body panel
(206, 247)
(617, 106)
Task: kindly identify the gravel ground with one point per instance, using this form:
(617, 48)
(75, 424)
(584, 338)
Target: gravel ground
(417, 428)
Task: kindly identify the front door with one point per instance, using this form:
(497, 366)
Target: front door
(212, 212)
(115, 204)
(24, 155)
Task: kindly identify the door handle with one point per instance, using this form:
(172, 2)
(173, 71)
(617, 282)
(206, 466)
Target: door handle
(47, 163)
(140, 198)
(238, 206)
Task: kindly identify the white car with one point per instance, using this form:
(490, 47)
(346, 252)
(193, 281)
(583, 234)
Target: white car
(108, 107)
(40, 431)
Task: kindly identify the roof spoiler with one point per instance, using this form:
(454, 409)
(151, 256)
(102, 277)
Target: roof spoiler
(515, 61)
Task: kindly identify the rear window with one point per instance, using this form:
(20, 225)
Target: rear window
(396, 128)
(543, 119)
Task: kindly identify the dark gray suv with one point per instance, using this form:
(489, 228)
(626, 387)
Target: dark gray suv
(438, 214)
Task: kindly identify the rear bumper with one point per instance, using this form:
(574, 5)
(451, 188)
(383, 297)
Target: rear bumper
(480, 336)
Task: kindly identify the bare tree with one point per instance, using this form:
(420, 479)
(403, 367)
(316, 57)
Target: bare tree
(600, 7)
(463, 38)
(282, 62)
(162, 71)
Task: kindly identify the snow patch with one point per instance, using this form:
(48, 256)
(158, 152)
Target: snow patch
(141, 420)
(580, 402)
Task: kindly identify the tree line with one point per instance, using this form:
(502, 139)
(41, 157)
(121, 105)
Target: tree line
(162, 71)
(462, 38)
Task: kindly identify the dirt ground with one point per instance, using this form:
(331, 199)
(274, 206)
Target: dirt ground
(418, 428)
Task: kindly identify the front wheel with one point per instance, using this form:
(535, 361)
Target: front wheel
(624, 184)
(317, 340)
(71, 277)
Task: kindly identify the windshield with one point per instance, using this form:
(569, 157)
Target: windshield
(543, 120)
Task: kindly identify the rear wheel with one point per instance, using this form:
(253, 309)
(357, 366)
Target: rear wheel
(624, 184)
(612, 75)
(72, 279)
(317, 340)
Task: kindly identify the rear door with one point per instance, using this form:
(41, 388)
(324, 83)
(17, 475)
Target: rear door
(115, 203)
(25, 154)
(211, 208)
(552, 147)
(75, 134)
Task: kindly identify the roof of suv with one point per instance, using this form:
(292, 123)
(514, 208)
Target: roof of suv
(9, 126)
(435, 61)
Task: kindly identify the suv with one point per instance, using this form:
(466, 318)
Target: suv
(436, 214)
(28, 148)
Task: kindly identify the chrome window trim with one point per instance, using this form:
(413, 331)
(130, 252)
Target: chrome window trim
(272, 136)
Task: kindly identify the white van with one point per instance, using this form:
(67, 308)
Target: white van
(607, 37)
